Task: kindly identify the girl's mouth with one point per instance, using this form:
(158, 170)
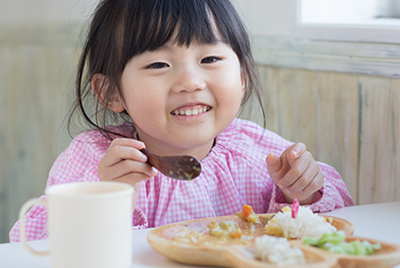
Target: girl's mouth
(192, 110)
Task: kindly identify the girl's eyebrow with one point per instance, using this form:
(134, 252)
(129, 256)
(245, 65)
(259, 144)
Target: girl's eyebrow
(163, 47)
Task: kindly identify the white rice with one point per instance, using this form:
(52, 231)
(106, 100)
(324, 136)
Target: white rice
(278, 251)
(305, 224)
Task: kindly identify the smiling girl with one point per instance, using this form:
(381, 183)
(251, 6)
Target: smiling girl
(171, 76)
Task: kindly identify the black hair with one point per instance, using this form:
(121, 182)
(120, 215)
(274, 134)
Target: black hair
(122, 29)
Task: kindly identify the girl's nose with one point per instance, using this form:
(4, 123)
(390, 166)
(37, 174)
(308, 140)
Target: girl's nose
(189, 79)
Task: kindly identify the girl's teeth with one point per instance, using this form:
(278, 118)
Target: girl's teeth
(189, 112)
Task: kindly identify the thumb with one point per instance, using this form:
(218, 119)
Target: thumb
(274, 165)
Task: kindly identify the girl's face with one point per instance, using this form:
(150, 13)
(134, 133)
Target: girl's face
(180, 98)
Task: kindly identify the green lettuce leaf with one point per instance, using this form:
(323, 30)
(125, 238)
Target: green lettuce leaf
(334, 242)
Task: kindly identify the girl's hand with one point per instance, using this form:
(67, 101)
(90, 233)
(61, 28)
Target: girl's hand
(124, 162)
(297, 174)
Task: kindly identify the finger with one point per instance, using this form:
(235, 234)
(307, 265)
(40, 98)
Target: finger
(118, 153)
(296, 171)
(297, 150)
(274, 163)
(312, 187)
(133, 178)
(124, 148)
(315, 184)
(127, 167)
(128, 142)
(293, 152)
(308, 176)
(276, 168)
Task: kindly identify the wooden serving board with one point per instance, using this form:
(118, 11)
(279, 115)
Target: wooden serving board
(228, 254)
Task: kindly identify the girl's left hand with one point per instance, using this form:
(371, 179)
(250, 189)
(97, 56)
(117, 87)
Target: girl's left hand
(297, 174)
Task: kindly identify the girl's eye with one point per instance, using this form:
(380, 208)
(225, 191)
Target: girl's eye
(210, 59)
(157, 65)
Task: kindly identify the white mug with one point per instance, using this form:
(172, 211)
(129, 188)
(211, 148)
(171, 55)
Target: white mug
(90, 224)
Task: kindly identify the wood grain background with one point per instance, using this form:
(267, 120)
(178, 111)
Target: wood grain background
(350, 121)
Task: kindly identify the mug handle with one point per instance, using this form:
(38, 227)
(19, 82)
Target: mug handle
(28, 204)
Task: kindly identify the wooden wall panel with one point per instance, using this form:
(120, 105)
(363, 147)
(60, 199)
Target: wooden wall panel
(252, 110)
(379, 140)
(34, 80)
(4, 150)
(337, 125)
(269, 78)
(297, 89)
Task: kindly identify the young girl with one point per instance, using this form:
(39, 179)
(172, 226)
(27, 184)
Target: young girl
(171, 75)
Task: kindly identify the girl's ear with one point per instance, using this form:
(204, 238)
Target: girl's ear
(100, 86)
(244, 81)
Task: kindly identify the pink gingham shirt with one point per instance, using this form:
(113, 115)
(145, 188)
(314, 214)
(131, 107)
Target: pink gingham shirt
(233, 174)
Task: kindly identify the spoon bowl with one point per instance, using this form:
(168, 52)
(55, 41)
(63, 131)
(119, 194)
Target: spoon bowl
(180, 167)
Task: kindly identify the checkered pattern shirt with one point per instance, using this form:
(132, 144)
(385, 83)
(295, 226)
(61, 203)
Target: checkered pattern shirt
(234, 173)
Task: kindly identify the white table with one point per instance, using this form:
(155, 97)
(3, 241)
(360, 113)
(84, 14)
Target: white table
(377, 221)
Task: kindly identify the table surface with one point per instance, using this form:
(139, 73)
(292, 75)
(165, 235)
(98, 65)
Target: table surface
(378, 221)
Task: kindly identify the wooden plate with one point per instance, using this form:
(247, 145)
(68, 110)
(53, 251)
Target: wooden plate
(227, 255)
(387, 256)
(237, 254)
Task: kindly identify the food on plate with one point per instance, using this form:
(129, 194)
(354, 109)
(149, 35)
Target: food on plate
(186, 235)
(248, 214)
(305, 223)
(229, 231)
(240, 229)
(277, 250)
(292, 223)
(225, 229)
(335, 242)
(295, 208)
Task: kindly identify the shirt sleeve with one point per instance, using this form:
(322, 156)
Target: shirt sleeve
(35, 224)
(75, 164)
(334, 193)
(139, 220)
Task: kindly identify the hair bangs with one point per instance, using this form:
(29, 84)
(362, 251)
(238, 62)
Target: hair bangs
(164, 20)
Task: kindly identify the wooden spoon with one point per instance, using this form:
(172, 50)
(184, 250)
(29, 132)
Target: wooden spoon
(180, 167)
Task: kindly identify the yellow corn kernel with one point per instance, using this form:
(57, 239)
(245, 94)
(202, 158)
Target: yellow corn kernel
(213, 225)
(273, 229)
(284, 209)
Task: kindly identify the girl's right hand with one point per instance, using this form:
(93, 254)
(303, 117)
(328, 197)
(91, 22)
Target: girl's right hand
(123, 162)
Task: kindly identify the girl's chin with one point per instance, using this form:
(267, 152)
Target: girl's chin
(190, 148)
